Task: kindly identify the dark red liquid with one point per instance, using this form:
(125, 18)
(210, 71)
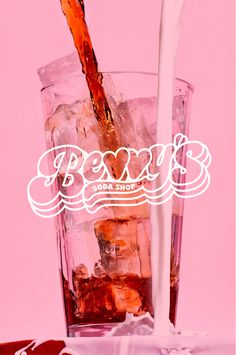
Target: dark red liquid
(93, 301)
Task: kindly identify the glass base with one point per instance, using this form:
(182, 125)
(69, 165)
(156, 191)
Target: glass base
(91, 330)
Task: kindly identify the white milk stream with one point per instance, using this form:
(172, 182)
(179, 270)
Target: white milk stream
(170, 30)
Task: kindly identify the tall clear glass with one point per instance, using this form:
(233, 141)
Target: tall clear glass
(105, 256)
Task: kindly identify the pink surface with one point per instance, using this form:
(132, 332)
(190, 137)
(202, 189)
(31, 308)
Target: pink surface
(172, 345)
(31, 302)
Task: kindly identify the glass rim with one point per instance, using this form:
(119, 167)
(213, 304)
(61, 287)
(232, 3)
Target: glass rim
(75, 74)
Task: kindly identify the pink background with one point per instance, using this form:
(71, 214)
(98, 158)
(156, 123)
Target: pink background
(34, 33)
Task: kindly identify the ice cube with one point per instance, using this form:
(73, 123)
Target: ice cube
(73, 124)
(135, 117)
(141, 325)
(124, 246)
(108, 299)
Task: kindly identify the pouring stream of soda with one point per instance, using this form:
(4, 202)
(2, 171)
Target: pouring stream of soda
(75, 14)
(170, 29)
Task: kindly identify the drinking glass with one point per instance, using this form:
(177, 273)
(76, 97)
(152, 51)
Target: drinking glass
(104, 256)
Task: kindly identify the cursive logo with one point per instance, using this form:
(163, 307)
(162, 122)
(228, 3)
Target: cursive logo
(81, 180)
